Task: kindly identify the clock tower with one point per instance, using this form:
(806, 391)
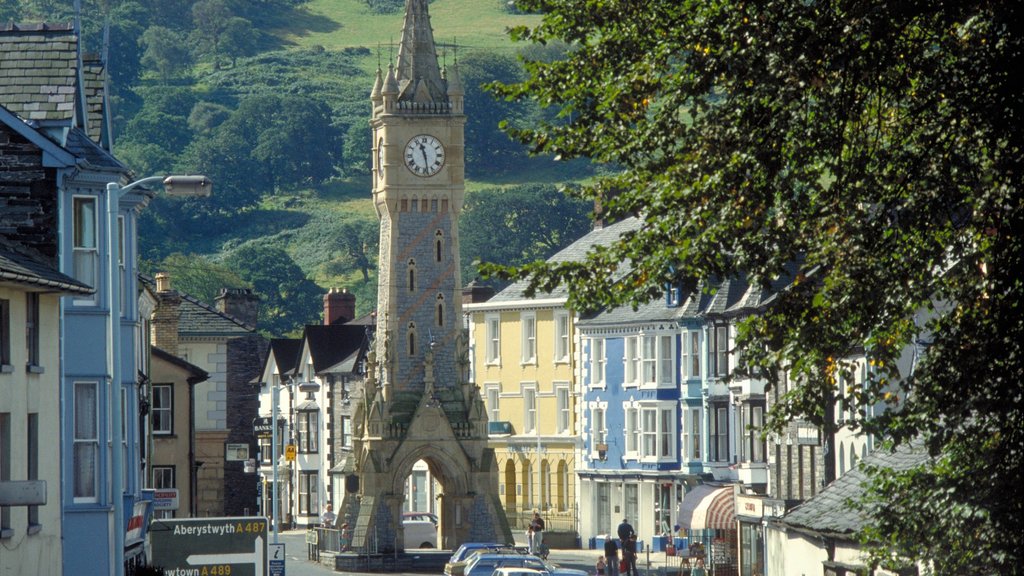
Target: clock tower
(418, 402)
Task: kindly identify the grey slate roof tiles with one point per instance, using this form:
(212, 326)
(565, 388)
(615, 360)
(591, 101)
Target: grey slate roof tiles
(26, 267)
(201, 319)
(572, 253)
(37, 71)
(828, 513)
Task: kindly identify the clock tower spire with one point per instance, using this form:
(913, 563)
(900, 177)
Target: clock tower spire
(419, 402)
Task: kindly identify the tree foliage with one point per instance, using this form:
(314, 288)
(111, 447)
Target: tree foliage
(197, 275)
(518, 224)
(877, 143)
(288, 300)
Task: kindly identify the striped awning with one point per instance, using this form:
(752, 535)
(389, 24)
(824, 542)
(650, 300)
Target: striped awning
(707, 508)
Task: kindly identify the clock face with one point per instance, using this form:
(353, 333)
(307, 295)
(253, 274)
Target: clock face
(424, 155)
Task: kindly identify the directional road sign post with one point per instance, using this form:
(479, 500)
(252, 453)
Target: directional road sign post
(211, 546)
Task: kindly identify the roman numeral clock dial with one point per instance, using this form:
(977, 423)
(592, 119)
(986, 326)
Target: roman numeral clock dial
(424, 155)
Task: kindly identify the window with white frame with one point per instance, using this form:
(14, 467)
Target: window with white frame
(719, 432)
(308, 431)
(666, 433)
(309, 495)
(85, 251)
(85, 458)
(163, 477)
(632, 431)
(562, 407)
(162, 409)
(666, 367)
(530, 411)
(493, 392)
(493, 324)
(649, 355)
(631, 358)
(561, 337)
(691, 346)
(753, 423)
(649, 432)
(691, 433)
(598, 361)
(649, 358)
(719, 352)
(528, 325)
(598, 433)
(266, 449)
(346, 431)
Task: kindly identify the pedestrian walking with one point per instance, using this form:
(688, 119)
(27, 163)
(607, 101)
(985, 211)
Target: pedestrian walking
(629, 556)
(611, 557)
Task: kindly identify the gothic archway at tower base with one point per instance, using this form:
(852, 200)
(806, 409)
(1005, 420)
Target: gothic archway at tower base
(458, 458)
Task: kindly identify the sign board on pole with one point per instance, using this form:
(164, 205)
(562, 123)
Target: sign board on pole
(261, 427)
(276, 559)
(289, 452)
(165, 499)
(235, 546)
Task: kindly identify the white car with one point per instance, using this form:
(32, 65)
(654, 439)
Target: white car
(420, 533)
(512, 571)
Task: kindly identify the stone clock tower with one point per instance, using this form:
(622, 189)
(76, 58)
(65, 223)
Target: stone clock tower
(418, 403)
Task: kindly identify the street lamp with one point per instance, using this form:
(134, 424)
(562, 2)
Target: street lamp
(173, 186)
(275, 391)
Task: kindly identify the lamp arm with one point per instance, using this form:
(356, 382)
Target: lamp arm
(114, 186)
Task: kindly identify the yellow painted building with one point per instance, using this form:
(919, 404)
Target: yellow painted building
(523, 362)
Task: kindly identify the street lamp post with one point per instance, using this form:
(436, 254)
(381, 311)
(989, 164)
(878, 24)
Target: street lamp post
(173, 186)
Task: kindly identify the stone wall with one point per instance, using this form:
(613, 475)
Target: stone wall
(28, 197)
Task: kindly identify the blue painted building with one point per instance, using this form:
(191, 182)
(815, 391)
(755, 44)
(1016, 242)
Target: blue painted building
(64, 104)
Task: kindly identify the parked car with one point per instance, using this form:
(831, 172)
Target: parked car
(420, 516)
(485, 564)
(458, 560)
(420, 533)
(507, 571)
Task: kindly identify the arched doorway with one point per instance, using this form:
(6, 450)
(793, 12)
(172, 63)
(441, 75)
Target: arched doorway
(510, 485)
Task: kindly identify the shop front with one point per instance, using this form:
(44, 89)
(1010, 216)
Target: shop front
(750, 515)
(708, 530)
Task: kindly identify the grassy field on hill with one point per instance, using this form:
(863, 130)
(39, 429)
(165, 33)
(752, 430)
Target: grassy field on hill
(350, 23)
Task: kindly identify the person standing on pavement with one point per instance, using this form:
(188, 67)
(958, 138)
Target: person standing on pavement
(627, 536)
(611, 557)
(536, 533)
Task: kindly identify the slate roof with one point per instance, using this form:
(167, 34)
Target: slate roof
(27, 267)
(574, 252)
(335, 347)
(286, 353)
(828, 513)
(39, 75)
(199, 319)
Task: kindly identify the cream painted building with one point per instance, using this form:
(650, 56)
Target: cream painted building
(523, 358)
(30, 291)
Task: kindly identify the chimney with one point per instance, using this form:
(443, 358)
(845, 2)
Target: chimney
(240, 303)
(339, 306)
(164, 324)
(476, 292)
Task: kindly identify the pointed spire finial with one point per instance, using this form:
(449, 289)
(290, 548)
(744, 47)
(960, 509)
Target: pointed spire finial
(417, 56)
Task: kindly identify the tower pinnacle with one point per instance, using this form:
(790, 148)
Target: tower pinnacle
(419, 76)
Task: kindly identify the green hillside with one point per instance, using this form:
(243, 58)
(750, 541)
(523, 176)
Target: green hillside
(474, 24)
(276, 112)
